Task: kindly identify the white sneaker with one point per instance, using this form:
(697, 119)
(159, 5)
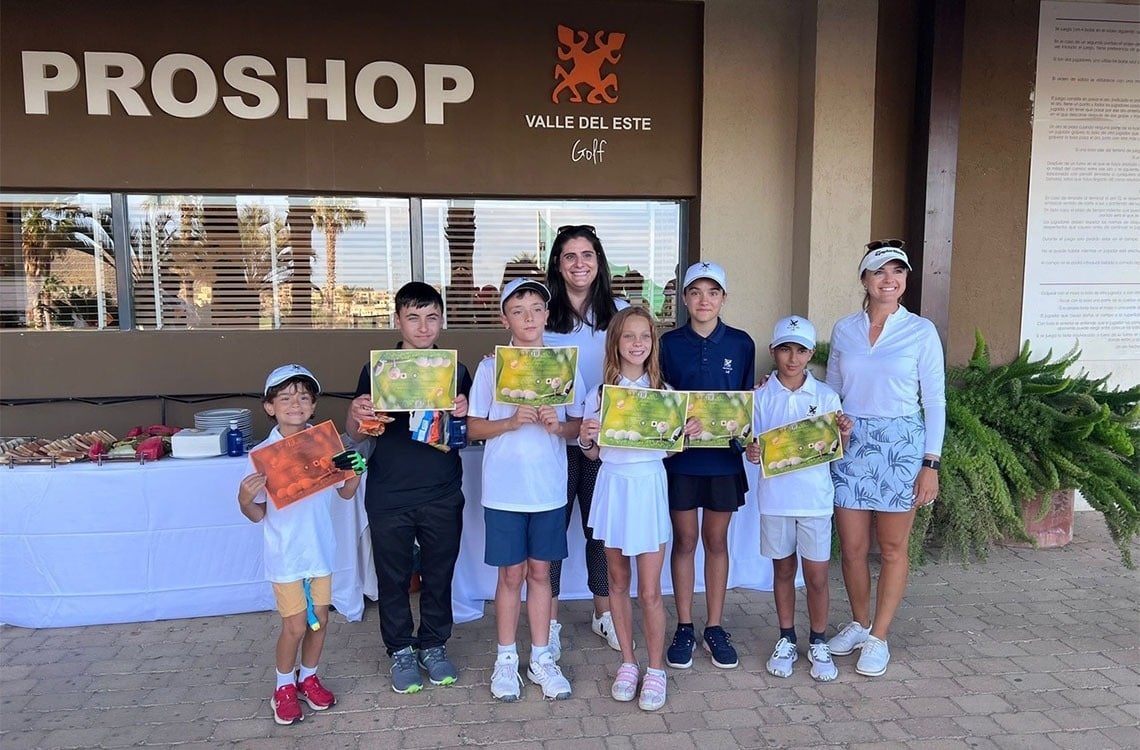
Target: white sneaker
(604, 626)
(874, 659)
(852, 636)
(545, 672)
(782, 658)
(505, 680)
(555, 639)
(822, 666)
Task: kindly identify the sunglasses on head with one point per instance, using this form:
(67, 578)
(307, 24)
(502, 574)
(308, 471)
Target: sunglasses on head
(880, 244)
(577, 228)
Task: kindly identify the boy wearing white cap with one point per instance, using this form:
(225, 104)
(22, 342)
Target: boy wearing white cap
(524, 498)
(704, 355)
(795, 508)
(299, 548)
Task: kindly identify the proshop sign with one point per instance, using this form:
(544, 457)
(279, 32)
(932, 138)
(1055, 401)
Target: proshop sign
(119, 75)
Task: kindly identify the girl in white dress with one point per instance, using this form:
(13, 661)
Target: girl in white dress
(630, 512)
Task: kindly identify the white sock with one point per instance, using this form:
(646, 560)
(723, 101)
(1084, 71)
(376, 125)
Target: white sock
(658, 672)
(285, 679)
(508, 649)
(306, 673)
(536, 653)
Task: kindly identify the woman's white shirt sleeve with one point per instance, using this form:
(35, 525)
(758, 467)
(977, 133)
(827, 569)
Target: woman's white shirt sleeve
(903, 372)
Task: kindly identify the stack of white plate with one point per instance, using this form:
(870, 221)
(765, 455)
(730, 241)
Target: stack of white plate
(220, 418)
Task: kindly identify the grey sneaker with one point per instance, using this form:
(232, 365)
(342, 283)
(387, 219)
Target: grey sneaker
(874, 659)
(822, 666)
(546, 674)
(850, 637)
(439, 668)
(405, 672)
(782, 658)
(505, 680)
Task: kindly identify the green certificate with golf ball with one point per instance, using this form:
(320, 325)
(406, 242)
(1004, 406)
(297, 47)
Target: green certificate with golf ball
(642, 418)
(724, 415)
(411, 379)
(800, 445)
(535, 376)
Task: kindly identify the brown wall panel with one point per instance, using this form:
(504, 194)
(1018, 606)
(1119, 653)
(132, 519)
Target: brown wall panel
(484, 146)
(995, 139)
(109, 364)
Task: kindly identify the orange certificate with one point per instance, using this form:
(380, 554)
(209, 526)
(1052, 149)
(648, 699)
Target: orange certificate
(301, 464)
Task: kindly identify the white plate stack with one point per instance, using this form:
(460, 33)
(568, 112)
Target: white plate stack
(212, 419)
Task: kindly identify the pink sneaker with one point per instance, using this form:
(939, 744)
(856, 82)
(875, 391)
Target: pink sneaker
(313, 692)
(286, 709)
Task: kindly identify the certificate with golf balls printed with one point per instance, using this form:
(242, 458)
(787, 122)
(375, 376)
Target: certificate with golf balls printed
(411, 379)
(800, 445)
(535, 376)
(643, 418)
(724, 415)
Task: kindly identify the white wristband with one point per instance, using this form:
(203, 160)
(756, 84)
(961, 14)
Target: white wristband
(585, 447)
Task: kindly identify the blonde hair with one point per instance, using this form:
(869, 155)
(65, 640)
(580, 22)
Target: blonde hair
(611, 368)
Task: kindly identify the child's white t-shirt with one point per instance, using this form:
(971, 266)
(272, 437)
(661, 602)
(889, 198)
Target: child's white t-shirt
(807, 492)
(524, 470)
(299, 539)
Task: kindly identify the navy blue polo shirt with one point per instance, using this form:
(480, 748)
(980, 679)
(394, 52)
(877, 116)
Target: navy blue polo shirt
(725, 361)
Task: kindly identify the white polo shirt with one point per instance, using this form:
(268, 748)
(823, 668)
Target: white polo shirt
(591, 345)
(807, 492)
(902, 373)
(524, 470)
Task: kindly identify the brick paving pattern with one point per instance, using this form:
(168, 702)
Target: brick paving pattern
(1031, 649)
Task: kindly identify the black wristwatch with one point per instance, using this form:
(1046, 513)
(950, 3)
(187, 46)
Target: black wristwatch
(931, 463)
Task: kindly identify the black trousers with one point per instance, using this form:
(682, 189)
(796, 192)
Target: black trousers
(437, 526)
(581, 475)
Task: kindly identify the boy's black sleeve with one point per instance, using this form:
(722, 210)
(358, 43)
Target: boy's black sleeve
(462, 380)
(364, 385)
(750, 370)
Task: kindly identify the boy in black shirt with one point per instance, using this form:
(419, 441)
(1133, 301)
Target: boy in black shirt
(413, 492)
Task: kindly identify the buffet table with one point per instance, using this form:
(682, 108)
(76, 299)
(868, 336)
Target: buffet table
(85, 544)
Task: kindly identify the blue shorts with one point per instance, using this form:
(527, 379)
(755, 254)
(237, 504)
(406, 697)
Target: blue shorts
(513, 537)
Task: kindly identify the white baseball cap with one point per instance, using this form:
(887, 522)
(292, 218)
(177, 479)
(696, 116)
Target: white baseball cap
(879, 257)
(285, 372)
(705, 270)
(520, 284)
(795, 330)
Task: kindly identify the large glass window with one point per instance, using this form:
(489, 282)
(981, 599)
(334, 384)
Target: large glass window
(277, 261)
(471, 247)
(204, 261)
(57, 262)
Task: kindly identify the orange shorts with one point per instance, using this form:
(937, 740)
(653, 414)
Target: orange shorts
(291, 596)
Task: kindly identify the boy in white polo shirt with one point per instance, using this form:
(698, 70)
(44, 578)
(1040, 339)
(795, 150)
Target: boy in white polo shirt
(524, 498)
(796, 508)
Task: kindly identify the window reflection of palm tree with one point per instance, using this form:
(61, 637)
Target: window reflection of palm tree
(333, 216)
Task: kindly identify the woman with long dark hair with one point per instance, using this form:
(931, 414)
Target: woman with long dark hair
(582, 304)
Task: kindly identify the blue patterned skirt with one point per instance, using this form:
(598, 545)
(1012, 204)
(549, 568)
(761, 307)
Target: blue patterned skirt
(882, 460)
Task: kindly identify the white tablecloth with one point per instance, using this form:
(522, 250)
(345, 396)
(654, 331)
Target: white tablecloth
(86, 544)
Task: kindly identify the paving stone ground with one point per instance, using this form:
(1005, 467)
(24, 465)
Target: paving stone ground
(1034, 649)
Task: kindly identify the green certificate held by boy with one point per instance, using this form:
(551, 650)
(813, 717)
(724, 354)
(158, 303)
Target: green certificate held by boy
(413, 379)
(535, 376)
(800, 445)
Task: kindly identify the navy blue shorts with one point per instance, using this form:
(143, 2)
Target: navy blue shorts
(723, 494)
(513, 537)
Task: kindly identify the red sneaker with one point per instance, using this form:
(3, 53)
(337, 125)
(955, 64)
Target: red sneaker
(286, 709)
(313, 692)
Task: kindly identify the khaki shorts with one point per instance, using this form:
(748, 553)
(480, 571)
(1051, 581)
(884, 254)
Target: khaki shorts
(291, 596)
(783, 536)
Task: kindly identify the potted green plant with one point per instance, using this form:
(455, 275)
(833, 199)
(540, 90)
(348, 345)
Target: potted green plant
(1016, 433)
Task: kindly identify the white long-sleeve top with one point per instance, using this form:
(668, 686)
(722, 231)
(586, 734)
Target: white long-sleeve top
(903, 372)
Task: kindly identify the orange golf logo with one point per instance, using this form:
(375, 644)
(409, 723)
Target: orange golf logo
(587, 65)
